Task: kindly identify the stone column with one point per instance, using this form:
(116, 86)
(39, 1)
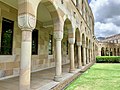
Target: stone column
(87, 56)
(25, 63)
(92, 55)
(58, 35)
(99, 51)
(26, 23)
(79, 55)
(84, 55)
(104, 52)
(72, 61)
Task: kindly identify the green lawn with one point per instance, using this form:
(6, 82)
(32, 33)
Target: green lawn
(98, 77)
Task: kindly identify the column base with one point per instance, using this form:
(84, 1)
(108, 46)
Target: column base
(72, 71)
(58, 78)
(79, 67)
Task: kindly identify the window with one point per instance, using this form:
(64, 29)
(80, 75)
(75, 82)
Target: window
(6, 37)
(50, 44)
(35, 42)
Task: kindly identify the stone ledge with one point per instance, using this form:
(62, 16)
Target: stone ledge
(87, 67)
(66, 82)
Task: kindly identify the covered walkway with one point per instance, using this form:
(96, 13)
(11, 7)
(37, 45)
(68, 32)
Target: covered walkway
(42, 80)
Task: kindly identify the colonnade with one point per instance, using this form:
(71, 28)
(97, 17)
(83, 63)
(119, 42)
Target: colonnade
(25, 65)
(109, 51)
(27, 22)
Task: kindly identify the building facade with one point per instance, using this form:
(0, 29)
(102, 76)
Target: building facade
(41, 34)
(110, 46)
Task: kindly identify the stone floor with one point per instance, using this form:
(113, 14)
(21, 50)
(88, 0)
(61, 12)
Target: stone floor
(38, 79)
(42, 80)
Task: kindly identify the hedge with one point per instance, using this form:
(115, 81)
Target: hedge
(108, 59)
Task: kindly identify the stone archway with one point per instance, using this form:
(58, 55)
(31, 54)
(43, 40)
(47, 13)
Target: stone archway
(30, 13)
(114, 51)
(83, 50)
(50, 19)
(77, 49)
(65, 42)
(68, 30)
(102, 51)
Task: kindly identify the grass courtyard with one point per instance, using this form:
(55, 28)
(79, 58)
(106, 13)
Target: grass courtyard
(98, 77)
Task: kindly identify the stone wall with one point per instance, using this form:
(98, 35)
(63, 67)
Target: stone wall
(9, 64)
(112, 44)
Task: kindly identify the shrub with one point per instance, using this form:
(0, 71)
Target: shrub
(108, 59)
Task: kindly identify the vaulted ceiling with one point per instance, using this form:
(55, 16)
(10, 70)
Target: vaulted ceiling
(43, 14)
(13, 3)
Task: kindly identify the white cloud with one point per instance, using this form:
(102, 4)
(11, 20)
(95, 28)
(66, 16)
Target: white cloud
(106, 29)
(107, 16)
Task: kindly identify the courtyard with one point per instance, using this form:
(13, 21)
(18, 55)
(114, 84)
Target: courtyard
(98, 77)
(47, 44)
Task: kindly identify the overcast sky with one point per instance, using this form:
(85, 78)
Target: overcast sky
(107, 17)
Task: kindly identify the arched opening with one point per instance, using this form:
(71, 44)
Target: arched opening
(82, 51)
(45, 26)
(102, 51)
(65, 44)
(111, 54)
(77, 40)
(114, 51)
(107, 52)
(71, 39)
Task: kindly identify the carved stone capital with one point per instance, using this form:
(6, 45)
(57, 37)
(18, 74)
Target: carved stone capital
(71, 40)
(84, 45)
(58, 35)
(79, 44)
(26, 21)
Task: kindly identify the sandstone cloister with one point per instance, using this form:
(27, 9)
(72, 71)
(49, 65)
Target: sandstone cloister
(38, 35)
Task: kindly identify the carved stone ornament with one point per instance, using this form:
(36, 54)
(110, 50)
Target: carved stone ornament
(26, 21)
(79, 44)
(58, 35)
(71, 40)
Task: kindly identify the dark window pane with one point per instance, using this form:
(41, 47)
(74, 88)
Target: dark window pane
(7, 37)
(35, 42)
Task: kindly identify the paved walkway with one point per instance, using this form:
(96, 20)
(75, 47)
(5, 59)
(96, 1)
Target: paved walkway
(42, 80)
(38, 79)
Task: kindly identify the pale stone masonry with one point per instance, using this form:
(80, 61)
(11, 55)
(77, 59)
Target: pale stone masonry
(69, 22)
(110, 46)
